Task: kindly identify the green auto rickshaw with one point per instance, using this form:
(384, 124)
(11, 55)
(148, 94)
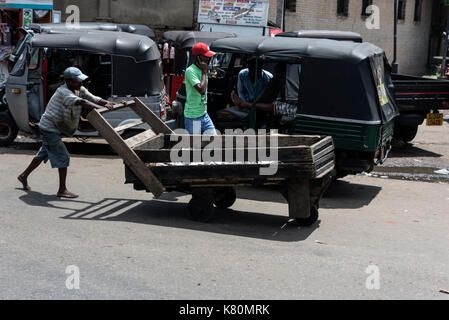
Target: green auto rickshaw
(341, 89)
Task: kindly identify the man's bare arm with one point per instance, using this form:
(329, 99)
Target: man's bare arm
(202, 87)
(104, 103)
(91, 106)
(265, 107)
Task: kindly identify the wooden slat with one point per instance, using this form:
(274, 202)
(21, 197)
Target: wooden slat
(324, 141)
(321, 172)
(283, 140)
(128, 126)
(154, 143)
(117, 107)
(285, 154)
(140, 138)
(324, 152)
(156, 124)
(130, 158)
(171, 174)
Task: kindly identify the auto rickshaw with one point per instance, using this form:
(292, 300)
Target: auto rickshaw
(323, 34)
(341, 89)
(91, 26)
(119, 65)
(183, 42)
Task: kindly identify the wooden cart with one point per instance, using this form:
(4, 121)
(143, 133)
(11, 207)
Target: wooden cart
(304, 166)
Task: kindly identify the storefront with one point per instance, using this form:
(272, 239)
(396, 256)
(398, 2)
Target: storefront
(15, 14)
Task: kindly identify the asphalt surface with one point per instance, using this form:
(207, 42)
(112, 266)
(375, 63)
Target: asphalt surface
(127, 245)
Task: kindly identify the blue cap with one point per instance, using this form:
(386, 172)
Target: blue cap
(73, 73)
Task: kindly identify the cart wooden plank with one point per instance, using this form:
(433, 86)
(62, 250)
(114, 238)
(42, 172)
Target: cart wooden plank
(282, 140)
(156, 124)
(298, 198)
(285, 154)
(127, 154)
(229, 172)
(140, 138)
(117, 107)
(156, 142)
(128, 126)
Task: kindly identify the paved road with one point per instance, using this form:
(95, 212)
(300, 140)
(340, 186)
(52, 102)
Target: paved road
(129, 246)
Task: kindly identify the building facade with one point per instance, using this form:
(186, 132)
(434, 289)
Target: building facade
(414, 25)
(158, 14)
(420, 23)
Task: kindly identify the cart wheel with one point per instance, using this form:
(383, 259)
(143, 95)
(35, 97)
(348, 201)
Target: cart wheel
(225, 197)
(307, 222)
(201, 210)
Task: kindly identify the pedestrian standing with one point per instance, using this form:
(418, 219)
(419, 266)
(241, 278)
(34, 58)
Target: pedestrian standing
(196, 118)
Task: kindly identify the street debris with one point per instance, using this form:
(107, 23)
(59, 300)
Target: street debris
(444, 291)
(442, 171)
(320, 242)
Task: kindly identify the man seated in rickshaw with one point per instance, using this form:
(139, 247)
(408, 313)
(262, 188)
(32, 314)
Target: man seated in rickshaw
(246, 89)
(272, 101)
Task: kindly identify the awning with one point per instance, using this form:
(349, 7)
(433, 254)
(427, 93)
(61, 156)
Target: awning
(27, 4)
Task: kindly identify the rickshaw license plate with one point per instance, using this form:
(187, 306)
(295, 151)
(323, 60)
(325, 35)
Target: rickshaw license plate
(434, 119)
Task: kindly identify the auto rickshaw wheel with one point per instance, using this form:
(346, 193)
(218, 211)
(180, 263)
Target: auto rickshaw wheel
(408, 133)
(8, 129)
(307, 222)
(201, 210)
(225, 197)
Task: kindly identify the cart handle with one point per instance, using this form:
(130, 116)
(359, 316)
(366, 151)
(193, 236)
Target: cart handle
(117, 106)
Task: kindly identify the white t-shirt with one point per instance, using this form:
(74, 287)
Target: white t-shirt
(64, 101)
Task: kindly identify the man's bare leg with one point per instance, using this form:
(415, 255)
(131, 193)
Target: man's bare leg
(63, 192)
(23, 178)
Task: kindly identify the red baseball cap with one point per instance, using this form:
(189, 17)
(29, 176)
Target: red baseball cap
(202, 49)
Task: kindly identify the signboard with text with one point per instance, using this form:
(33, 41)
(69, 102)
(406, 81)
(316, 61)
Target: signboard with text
(27, 17)
(27, 4)
(252, 13)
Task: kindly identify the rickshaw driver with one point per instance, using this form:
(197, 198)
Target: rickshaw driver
(196, 118)
(70, 95)
(246, 79)
(286, 111)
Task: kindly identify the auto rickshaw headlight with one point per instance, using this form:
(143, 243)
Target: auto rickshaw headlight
(16, 91)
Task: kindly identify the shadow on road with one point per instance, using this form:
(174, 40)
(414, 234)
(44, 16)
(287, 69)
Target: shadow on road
(345, 195)
(75, 148)
(340, 195)
(37, 199)
(175, 215)
(409, 150)
(168, 212)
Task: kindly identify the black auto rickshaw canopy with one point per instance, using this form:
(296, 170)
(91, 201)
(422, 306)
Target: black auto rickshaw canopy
(92, 26)
(187, 39)
(135, 58)
(137, 47)
(329, 79)
(323, 34)
(183, 41)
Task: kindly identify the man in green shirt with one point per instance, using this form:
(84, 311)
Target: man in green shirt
(196, 118)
